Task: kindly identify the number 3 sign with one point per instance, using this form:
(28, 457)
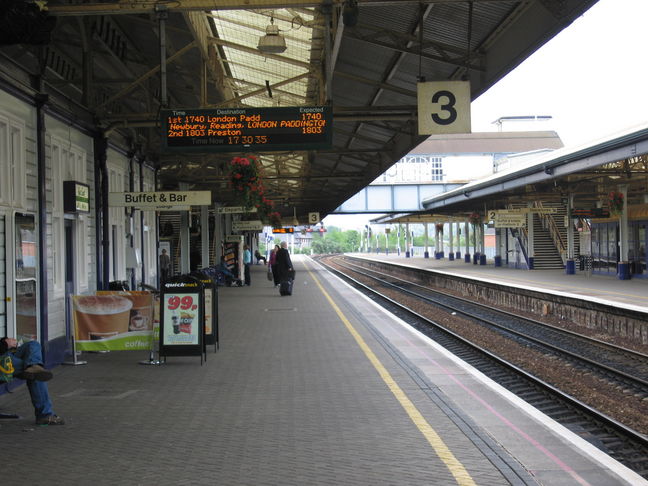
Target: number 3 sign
(443, 107)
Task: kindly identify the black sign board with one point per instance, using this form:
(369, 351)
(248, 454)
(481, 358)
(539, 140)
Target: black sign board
(248, 129)
(283, 230)
(76, 197)
(182, 320)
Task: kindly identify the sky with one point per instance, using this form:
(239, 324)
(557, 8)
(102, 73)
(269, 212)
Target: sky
(592, 78)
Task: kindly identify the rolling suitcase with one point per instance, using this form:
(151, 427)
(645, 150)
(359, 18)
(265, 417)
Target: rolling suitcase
(285, 287)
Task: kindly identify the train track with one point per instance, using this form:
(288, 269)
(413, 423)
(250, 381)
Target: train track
(623, 369)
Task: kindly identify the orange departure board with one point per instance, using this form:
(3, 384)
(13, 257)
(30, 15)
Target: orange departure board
(248, 129)
(283, 230)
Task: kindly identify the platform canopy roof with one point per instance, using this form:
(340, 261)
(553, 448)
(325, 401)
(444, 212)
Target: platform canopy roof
(363, 58)
(589, 174)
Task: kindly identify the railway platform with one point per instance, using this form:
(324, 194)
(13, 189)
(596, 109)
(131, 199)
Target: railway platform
(607, 289)
(322, 387)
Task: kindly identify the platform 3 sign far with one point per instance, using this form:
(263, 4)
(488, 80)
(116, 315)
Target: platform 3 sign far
(443, 107)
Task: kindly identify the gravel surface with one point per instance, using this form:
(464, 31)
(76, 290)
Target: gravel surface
(597, 393)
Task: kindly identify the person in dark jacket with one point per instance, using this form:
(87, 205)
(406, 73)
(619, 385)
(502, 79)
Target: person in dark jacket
(283, 264)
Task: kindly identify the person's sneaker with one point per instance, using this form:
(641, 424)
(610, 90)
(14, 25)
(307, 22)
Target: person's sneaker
(50, 420)
(35, 372)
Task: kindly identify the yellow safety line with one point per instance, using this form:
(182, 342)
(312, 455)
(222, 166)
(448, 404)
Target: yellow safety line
(456, 468)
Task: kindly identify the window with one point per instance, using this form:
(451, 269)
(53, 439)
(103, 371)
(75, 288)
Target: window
(13, 175)
(68, 163)
(416, 169)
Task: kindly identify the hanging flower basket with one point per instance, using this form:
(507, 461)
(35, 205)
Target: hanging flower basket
(474, 218)
(245, 181)
(275, 220)
(615, 202)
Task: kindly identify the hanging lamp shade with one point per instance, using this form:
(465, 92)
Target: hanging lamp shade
(272, 42)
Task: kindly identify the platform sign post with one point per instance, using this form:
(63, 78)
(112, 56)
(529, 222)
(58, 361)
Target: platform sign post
(182, 320)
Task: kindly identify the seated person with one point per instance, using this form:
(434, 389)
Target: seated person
(27, 362)
(229, 276)
(259, 257)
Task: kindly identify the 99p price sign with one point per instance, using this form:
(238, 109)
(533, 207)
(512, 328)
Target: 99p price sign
(181, 319)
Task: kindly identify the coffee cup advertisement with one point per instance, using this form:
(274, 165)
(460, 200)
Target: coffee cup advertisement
(181, 316)
(113, 321)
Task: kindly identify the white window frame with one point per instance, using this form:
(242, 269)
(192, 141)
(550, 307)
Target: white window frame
(13, 167)
(68, 162)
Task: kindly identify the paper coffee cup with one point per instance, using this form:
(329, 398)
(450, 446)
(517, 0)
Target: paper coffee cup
(101, 315)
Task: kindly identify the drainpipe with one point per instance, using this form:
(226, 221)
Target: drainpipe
(140, 159)
(98, 224)
(101, 156)
(41, 101)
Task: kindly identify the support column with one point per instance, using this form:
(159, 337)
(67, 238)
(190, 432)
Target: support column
(204, 236)
(482, 243)
(451, 255)
(498, 247)
(475, 247)
(218, 234)
(624, 265)
(185, 239)
(407, 241)
(530, 238)
(570, 266)
(426, 253)
(467, 241)
(398, 235)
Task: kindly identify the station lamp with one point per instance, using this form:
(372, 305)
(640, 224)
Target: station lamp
(272, 42)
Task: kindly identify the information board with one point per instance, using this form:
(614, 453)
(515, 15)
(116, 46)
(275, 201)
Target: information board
(182, 318)
(248, 129)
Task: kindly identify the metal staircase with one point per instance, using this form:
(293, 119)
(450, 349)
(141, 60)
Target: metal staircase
(546, 255)
(550, 237)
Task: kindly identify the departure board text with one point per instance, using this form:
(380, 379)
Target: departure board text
(246, 129)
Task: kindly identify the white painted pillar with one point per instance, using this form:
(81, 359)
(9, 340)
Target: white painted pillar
(450, 242)
(426, 253)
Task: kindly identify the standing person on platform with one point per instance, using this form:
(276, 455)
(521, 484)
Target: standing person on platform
(272, 263)
(284, 264)
(27, 363)
(247, 261)
(165, 265)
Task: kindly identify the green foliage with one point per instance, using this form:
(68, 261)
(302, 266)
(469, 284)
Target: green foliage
(335, 241)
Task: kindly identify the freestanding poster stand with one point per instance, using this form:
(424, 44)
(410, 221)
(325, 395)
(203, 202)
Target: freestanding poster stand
(210, 290)
(182, 320)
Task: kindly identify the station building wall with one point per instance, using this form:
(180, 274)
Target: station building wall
(69, 155)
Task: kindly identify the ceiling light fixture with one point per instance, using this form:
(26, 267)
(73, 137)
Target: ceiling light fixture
(272, 42)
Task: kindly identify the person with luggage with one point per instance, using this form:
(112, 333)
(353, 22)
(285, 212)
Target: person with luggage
(272, 263)
(285, 270)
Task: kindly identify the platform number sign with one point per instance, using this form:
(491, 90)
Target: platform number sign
(313, 218)
(443, 107)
